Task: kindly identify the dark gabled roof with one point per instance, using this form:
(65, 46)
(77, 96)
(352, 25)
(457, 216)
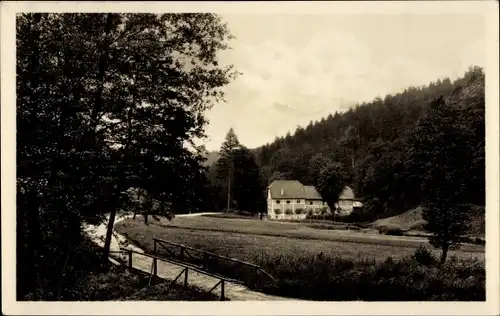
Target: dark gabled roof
(311, 193)
(286, 189)
(292, 189)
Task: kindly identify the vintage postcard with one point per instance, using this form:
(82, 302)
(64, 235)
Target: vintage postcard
(250, 158)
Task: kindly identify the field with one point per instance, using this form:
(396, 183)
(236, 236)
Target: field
(323, 264)
(246, 239)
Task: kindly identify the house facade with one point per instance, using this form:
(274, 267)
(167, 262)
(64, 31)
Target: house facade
(290, 199)
(347, 203)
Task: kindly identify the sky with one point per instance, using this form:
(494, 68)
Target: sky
(300, 68)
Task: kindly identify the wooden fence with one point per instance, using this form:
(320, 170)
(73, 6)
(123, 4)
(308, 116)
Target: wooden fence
(185, 271)
(239, 271)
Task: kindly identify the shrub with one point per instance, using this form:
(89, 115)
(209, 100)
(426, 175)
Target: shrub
(299, 211)
(328, 278)
(288, 211)
(313, 216)
(393, 231)
(277, 211)
(424, 257)
(479, 241)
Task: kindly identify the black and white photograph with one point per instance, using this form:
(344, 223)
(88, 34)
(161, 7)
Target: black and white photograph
(217, 154)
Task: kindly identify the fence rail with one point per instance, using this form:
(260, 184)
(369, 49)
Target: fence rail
(185, 271)
(184, 254)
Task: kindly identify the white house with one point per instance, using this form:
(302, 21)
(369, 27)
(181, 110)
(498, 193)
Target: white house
(290, 199)
(347, 202)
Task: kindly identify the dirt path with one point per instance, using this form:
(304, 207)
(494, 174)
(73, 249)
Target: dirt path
(169, 271)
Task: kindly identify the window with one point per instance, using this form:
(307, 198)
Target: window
(298, 201)
(310, 202)
(277, 201)
(287, 202)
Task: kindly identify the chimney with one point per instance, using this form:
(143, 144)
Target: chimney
(281, 191)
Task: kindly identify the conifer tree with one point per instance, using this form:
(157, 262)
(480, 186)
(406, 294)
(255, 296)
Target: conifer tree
(225, 164)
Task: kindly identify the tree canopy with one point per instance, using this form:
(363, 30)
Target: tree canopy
(106, 102)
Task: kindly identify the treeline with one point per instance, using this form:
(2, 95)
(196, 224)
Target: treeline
(235, 179)
(389, 145)
(106, 103)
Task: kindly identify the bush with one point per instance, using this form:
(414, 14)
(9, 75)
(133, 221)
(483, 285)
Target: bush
(320, 217)
(288, 211)
(424, 256)
(328, 278)
(479, 241)
(277, 211)
(299, 211)
(357, 216)
(393, 231)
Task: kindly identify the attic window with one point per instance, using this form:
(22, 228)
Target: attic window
(287, 202)
(298, 201)
(277, 201)
(310, 202)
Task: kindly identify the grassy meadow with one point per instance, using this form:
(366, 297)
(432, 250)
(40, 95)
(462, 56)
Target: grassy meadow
(242, 238)
(319, 264)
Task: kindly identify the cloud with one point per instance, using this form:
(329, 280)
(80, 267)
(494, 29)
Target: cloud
(289, 80)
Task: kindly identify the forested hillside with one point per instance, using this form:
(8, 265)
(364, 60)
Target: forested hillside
(387, 145)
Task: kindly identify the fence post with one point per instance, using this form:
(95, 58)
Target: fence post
(130, 258)
(222, 298)
(205, 261)
(182, 253)
(186, 278)
(255, 276)
(155, 266)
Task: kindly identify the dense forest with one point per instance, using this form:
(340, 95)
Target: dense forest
(381, 147)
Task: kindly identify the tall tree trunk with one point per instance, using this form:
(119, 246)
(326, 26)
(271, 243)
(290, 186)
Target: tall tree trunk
(103, 65)
(228, 192)
(444, 253)
(60, 281)
(109, 234)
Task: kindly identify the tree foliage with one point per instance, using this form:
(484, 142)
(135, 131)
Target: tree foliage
(225, 164)
(248, 190)
(106, 102)
(443, 148)
(331, 182)
(237, 171)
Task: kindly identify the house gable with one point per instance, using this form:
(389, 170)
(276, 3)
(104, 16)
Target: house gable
(347, 194)
(286, 189)
(311, 193)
